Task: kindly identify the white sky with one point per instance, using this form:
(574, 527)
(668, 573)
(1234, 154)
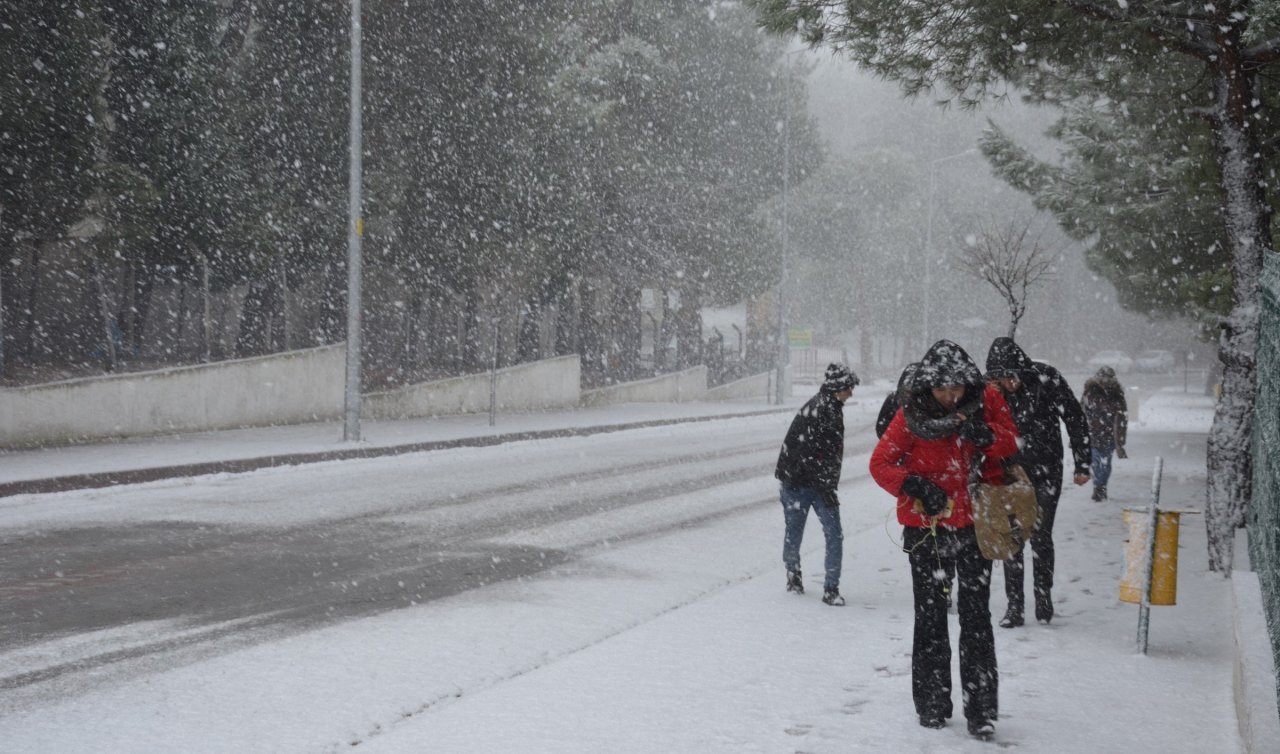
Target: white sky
(681, 641)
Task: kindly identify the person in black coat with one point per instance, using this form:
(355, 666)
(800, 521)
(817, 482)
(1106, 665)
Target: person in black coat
(1108, 414)
(893, 401)
(1039, 398)
(809, 472)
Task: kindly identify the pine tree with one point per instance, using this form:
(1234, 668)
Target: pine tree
(1066, 50)
(50, 69)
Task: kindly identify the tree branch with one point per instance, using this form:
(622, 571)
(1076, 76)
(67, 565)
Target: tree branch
(1198, 50)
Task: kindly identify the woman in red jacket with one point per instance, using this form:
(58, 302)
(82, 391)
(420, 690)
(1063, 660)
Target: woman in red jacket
(951, 429)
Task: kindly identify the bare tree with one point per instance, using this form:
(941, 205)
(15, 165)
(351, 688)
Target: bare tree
(1011, 262)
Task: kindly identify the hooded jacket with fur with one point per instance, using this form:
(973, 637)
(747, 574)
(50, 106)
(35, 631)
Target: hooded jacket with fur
(923, 437)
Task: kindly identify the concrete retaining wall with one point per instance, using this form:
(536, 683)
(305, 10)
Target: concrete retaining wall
(1254, 674)
(288, 388)
(755, 386)
(689, 385)
(552, 383)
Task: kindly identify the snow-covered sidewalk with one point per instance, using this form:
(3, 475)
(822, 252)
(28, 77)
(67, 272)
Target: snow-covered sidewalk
(750, 668)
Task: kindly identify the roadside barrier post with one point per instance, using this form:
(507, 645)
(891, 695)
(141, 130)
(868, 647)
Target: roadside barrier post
(1144, 609)
(1151, 557)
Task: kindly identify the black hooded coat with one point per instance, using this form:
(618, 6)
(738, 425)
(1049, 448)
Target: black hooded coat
(1042, 400)
(813, 450)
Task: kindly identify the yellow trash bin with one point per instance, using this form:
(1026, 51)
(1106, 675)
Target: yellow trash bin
(1164, 573)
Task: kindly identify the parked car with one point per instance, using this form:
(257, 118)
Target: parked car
(1117, 360)
(1154, 360)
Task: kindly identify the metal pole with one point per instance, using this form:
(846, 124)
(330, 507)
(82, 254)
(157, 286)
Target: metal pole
(493, 378)
(783, 352)
(2, 311)
(1144, 609)
(206, 319)
(928, 259)
(928, 244)
(2, 304)
(355, 229)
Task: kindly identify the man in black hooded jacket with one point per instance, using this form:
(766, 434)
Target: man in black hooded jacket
(1039, 398)
(809, 470)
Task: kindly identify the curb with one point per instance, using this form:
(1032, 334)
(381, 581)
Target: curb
(1254, 676)
(242, 465)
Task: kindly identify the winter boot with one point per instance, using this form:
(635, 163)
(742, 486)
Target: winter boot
(933, 721)
(794, 583)
(831, 596)
(1012, 617)
(983, 730)
(1044, 608)
(1099, 493)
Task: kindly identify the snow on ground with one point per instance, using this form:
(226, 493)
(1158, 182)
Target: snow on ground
(687, 642)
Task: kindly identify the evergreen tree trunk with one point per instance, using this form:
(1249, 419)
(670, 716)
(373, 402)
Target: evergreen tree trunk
(180, 322)
(589, 336)
(104, 309)
(412, 334)
(143, 290)
(1230, 464)
(32, 301)
(566, 338)
(624, 335)
(530, 329)
(254, 333)
(5, 286)
(689, 329)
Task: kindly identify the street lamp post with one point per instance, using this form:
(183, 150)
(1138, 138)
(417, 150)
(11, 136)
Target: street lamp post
(928, 244)
(355, 229)
(784, 353)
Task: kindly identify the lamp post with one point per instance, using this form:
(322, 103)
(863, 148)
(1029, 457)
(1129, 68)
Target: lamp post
(928, 244)
(355, 229)
(784, 352)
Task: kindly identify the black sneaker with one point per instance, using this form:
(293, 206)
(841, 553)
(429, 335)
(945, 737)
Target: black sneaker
(983, 730)
(1011, 619)
(933, 721)
(832, 597)
(794, 584)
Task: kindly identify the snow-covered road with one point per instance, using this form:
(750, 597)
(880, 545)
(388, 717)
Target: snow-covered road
(170, 572)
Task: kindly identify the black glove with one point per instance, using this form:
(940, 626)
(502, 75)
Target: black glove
(976, 431)
(829, 497)
(930, 495)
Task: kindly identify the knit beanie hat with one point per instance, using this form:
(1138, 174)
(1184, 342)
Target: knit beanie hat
(838, 378)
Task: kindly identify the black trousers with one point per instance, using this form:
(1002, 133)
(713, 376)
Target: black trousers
(1041, 553)
(930, 555)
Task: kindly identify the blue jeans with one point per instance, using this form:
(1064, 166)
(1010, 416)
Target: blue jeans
(796, 502)
(1101, 466)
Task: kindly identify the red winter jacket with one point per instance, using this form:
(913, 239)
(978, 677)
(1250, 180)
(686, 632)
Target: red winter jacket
(945, 462)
